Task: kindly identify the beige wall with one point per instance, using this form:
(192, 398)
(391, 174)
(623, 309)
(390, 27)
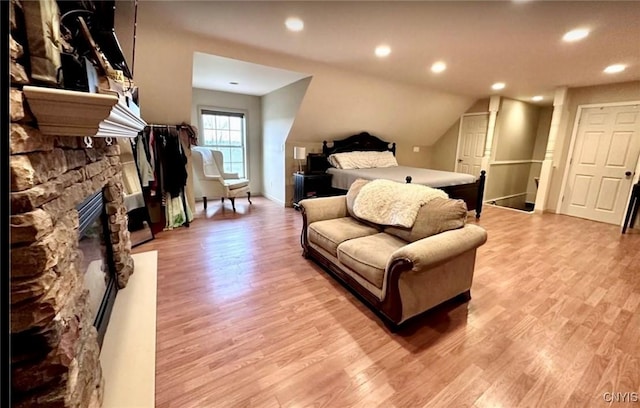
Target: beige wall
(251, 106)
(520, 129)
(506, 180)
(279, 111)
(626, 91)
(539, 149)
(443, 151)
(337, 103)
(516, 130)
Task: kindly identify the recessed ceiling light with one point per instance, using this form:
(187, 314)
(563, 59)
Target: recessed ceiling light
(294, 24)
(383, 51)
(233, 83)
(576, 35)
(498, 85)
(438, 67)
(537, 98)
(615, 68)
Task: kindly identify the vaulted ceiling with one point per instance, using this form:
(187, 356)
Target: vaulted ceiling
(515, 42)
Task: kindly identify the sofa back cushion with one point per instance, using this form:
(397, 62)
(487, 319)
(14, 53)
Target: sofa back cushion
(436, 216)
(353, 192)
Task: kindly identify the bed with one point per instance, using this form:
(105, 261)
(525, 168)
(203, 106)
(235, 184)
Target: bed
(457, 185)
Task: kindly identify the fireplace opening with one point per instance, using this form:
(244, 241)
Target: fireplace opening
(97, 264)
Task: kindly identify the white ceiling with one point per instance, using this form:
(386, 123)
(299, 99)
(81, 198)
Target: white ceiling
(516, 42)
(218, 73)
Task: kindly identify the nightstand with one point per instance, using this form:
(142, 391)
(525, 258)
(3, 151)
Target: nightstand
(310, 185)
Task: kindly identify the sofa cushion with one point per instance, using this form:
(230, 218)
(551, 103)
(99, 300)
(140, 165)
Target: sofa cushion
(438, 215)
(352, 193)
(328, 234)
(368, 256)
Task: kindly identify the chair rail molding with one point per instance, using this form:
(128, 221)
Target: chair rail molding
(61, 112)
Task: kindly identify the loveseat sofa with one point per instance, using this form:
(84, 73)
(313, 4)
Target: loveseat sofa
(400, 270)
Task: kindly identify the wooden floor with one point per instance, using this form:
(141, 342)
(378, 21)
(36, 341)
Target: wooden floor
(244, 320)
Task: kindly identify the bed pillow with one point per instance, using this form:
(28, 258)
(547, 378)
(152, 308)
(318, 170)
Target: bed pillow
(362, 160)
(332, 161)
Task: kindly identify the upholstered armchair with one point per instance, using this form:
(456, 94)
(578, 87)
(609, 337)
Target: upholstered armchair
(210, 179)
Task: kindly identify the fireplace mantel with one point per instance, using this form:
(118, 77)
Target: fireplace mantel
(61, 112)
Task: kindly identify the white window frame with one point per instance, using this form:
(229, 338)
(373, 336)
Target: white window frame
(202, 110)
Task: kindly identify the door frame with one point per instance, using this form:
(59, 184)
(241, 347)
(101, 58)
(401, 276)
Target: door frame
(455, 164)
(574, 135)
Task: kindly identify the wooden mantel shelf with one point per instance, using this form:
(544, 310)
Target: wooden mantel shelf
(61, 112)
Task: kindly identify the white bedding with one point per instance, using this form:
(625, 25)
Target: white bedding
(342, 179)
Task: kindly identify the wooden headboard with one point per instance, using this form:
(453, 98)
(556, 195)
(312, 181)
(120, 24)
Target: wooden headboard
(362, 142)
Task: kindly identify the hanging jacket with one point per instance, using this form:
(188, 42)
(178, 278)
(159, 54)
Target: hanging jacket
(174, 164)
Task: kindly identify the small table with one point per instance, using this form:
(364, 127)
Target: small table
(634, 206)
(310, 186)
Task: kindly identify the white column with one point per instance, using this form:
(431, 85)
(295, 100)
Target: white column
(546, 171)
(494, 106)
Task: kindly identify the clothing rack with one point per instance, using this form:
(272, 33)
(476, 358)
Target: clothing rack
(180, 148)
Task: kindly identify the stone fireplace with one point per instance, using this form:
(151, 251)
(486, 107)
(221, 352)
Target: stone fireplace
(96, 261)
(70, 252)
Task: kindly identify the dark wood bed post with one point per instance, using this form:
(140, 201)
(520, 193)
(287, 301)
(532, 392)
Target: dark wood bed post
(481, 181)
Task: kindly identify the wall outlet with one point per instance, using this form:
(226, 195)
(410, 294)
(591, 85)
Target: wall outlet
(416, 149)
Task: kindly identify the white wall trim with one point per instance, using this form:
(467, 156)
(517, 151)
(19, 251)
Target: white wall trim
(275, 200)
(503, 162)
(574, 133)
(505, 197)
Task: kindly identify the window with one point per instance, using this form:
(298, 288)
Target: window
(224, 131)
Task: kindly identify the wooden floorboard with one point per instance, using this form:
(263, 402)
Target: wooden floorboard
(244, 320)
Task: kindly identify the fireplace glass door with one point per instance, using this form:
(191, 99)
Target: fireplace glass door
(96, 261)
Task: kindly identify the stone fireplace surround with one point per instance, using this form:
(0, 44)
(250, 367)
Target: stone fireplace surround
(54, 344)
(54, 356)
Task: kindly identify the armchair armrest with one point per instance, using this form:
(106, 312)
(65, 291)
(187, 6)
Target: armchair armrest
(230, 175)
(433, 250)
(210, 178)
(323, 208)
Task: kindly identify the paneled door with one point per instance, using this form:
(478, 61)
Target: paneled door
(603, 162)
(473, 132)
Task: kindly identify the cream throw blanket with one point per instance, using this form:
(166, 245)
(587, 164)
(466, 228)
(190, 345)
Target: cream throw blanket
(388, 202)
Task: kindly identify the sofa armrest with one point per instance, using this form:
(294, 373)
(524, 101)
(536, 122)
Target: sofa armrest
(436, 249)
(323, 208)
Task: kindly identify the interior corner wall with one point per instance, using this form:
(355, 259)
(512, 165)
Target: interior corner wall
(250, 105)
(279, 109)
(516, 130)
(514, 140)
(619, 92)
(443, 151)
(539, 150)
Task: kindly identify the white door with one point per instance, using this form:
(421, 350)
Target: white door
(473, 132)
(603, 162)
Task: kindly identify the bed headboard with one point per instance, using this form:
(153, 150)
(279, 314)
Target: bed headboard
(360, 142)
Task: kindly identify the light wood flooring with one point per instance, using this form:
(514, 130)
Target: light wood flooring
(243, 320)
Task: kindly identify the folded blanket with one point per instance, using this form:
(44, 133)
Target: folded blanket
(388, 202)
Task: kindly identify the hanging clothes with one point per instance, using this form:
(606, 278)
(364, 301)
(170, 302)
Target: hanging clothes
(166, 173)
(144, 167)
(175, 215)
(173, 162)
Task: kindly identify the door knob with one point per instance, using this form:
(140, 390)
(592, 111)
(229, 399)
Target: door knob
(627, 173)
(459, 160)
